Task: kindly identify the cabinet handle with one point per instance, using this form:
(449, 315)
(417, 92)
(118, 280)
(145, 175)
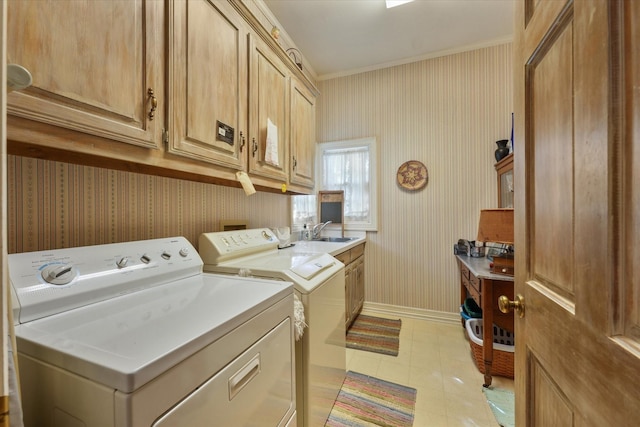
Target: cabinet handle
(255, 147)
(242, 141)
(295, 163)
(154, 103)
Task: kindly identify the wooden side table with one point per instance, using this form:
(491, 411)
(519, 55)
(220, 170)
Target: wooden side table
(477, 280)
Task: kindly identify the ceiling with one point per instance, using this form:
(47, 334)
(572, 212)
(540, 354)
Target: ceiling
(340, 37)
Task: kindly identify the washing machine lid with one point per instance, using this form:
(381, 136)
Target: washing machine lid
(127, 341)
(306, 271)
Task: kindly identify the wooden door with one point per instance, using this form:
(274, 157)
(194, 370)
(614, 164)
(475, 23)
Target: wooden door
(208, 82)
(5, 324)
(97, 66)
(303, 135)
(268, 100)
(577, 178)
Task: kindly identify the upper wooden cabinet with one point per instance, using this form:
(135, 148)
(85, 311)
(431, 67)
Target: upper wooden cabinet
(177, 88)
(97, 67)
(269, 102)
(303, 132)
(208, 82)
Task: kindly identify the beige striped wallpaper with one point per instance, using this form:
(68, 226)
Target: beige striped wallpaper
(56, 205)
(447, 113)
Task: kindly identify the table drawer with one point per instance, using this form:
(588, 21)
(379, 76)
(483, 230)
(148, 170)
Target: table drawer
(473, 293)
(471, 290)
(475, 283)
(464, 271)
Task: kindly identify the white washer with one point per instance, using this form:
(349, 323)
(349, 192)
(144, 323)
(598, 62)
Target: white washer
(134, 334)
(319, 283)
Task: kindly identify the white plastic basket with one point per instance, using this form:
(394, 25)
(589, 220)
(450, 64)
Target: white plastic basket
(502, 340)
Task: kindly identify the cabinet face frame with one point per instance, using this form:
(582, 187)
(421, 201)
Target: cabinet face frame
(504, 170)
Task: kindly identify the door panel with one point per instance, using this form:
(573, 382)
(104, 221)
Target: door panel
(631, 182)
(552, 406)
(208, 82)
(551, 89)
(303, 142)
(103, 91)
(269, 95)
(576, 203)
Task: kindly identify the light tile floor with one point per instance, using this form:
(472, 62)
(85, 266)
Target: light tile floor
(435, 358)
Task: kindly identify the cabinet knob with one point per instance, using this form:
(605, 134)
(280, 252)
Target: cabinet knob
(506, 306)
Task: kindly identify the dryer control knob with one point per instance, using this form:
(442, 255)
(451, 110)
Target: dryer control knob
(122, 262)
(184, 252)
(59, 274)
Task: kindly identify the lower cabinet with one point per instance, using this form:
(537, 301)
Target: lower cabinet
(353, 259)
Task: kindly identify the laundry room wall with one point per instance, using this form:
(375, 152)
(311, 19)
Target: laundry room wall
(446, 112)
(53, 205)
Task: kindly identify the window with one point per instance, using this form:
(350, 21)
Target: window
(349, 166)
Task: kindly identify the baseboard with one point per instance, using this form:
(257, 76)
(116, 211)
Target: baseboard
(415, 313)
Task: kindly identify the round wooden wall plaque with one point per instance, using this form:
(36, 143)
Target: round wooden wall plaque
(412, 175)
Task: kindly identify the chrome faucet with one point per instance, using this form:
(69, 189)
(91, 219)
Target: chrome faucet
(315, 231)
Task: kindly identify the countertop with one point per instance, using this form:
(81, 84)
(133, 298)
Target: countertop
(331, 248)
(479, 267)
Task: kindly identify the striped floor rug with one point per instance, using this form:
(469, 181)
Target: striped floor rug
(375, 334)
(368, 401)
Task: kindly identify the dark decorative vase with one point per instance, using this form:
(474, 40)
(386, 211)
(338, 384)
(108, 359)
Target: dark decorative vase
(502, 151)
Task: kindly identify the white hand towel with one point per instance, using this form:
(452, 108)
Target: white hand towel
(298, 311)
(271, 153)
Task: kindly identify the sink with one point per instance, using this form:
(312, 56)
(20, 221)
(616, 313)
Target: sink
(334, 239)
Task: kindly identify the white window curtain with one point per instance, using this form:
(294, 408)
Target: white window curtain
(348, 166)
(347, 169)
(305, 210)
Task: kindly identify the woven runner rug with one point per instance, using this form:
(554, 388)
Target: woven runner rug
(374, 334)
(368, 401)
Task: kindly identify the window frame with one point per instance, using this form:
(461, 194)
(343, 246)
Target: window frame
(371, 144)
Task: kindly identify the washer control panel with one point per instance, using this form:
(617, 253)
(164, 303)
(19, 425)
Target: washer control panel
(44, 283)
(226, 245)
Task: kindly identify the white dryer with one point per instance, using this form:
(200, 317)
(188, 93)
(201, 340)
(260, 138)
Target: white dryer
(134, 334)
(318, 281)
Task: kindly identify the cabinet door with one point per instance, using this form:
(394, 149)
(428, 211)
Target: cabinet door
(358, 286)
(97, 66)
(269, 91)
(504, 169)
(303, 141)
(208, 82)
(348, 291)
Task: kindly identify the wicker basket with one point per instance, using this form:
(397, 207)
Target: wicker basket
(503, 348)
